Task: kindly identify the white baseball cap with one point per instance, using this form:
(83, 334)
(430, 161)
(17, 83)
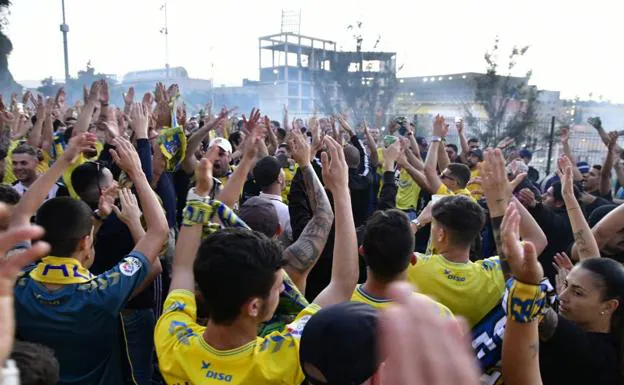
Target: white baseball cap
(223, 143)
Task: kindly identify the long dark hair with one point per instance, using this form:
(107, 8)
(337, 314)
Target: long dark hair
(611, 276)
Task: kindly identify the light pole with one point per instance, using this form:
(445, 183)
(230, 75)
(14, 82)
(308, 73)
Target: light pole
(165, 31)
(65, 29)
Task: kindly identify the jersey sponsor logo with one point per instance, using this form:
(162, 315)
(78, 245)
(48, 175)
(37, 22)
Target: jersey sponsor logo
(296, 328)
(130, 266)
(215, 375)
(449, 274)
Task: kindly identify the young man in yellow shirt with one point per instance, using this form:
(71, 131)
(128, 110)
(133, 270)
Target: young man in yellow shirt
(240, 275)
(454, 176)
(388, 249)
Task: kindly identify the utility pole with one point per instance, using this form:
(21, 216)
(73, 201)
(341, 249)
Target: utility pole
(165, 31)
(65, 29)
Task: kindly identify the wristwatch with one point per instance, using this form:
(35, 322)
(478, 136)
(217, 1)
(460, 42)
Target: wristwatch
(417, 223)
(96, 214)
(435, 139)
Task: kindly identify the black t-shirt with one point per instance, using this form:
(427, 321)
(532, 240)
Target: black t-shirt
(590, 207)
(573, 356)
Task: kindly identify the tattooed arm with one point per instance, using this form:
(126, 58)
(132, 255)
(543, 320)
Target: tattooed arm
(304, 252)
(521, 353)
(584, 241)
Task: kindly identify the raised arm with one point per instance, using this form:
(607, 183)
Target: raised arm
(463, 143)
(597, 124)
(38, 192)
(86, 114)
(605, 173)
(345, 264)
(271, 137)
(372, 146)
(190, 161)
(417, 175)
(305, 251)
(126, 157)
(34, 139)
(440, 129)
(584, 241)
(564, 137)
(521, 341)
(190, 237)
(443, 159)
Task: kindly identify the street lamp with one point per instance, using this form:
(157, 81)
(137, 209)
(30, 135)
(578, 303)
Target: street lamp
(64, 30)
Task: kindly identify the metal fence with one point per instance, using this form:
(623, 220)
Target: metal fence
(585, 143)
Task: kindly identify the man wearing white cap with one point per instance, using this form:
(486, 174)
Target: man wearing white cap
(221, 168)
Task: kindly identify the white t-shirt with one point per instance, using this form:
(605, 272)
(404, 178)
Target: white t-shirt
(282, 214)
(21, 189)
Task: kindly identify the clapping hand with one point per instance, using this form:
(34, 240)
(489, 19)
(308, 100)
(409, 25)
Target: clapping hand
(335, 170)
(299, 148)
(130, 212)
(522, 257)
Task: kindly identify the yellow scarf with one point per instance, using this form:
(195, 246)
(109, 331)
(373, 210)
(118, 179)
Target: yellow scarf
(60, 271)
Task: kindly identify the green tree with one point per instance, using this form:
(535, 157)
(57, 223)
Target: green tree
(7, 83)
(508, 101)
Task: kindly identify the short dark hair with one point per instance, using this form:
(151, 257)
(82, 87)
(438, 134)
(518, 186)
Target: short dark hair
(388, 243)
(276, 123)
(86, 179)
(460, 172)
(260, 215)
(65, 221)
(8, 195)
(352, 155)
(232, 266)
(284, 145)
(266, 171)
(597, 167)
(281, 133)
(471, 140)
(37, 363)
(462, 217)
(235, 138)
(25, 149)
(454, 147)
(558, 193)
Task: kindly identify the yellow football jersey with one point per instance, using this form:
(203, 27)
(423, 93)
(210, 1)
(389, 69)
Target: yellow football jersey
(475, 187)
(443, 190)
(359, 295)
(408, 190)
(469, 289)
(9, 177)
(185, 358)
(289, 174)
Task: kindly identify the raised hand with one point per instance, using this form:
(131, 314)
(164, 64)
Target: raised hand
(181, 114)
(148, 100)
(139, 119)
(94, 94)
(448, 358)
(172, 92)
(527, 198)
(252, 123)
(564, 134)
(459, 124)
(564, 170)
(203, 172)
(595, 122)
(335, 170)
(345, 125)
(107, 200)
(494, 182)
(104, 95)
(160, 93)
(126, 157)
(391, 154)
(59, 100)
(563, 265)
(440, 128)
(130, 211)
(9, 270)
(79, 144)
(522, 258)
(129, 96)
(299, 148)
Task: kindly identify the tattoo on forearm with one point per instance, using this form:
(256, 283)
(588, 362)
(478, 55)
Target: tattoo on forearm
(496, 231)
(534, 349)
(304, 252)
(581, 242)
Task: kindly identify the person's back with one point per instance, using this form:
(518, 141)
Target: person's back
(469, 289)
(387, 248)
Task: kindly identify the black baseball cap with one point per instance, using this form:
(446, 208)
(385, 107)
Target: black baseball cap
(339, 345)
(260, 215)
(478, 153)
(266, 171)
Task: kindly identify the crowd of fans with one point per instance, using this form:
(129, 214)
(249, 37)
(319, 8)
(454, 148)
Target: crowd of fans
(140, 245)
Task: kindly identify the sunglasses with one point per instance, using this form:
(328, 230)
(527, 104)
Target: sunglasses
(446, 176)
